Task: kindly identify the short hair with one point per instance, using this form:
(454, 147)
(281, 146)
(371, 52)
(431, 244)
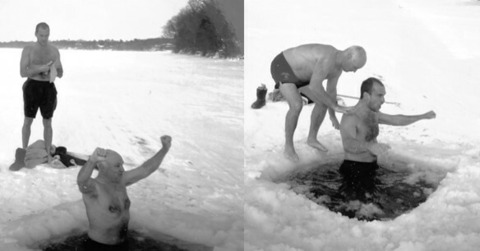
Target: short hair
(42, 25)
(367, 85)
(358, 54)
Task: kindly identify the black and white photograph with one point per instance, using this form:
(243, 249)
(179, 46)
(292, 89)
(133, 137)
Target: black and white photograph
(362, 125)
(122, 125)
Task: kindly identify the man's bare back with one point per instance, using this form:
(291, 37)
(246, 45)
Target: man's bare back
(309, 58)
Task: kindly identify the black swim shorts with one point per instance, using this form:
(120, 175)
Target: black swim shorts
(359, 179)
(283, 73)
(91, 245)
(39, 94)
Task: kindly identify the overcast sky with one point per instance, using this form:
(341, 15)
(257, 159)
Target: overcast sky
(86, 19)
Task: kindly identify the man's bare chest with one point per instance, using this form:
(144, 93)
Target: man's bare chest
(114, 200)
(368, 129)
(40, 56)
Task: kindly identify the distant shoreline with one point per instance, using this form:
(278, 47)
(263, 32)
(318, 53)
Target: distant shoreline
(151, 44)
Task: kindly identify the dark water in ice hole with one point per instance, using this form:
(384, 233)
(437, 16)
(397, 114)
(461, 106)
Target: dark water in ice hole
(136, 242)
(395, 192)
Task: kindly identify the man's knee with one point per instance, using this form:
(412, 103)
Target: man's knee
(321, 107)
(27, 122)
(47, 123)
(296, 106)
(291, 94)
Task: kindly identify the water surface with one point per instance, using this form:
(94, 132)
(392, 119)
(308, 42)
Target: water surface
(395, 191)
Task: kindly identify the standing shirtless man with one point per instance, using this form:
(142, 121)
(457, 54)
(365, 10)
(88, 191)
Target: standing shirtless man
(106, 198)
(303, 69)
(40, 64)
(359, 131)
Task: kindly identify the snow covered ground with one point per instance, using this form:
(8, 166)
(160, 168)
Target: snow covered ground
(426, 53)
(125, 101)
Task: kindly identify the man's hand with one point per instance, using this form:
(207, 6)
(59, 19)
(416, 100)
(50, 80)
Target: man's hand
(430, 115)
(335, 122)
(378, 148)
(149, 166)
(166, 141)
(345, 109)
(340, 109)
(98, 155)
(45, 69)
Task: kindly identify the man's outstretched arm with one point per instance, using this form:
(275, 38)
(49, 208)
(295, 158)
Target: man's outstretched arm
(316, 92)
(403, 120)
(150, 166)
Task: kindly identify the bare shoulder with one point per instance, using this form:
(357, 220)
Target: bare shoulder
(26, 55)
(54, 49)
(315, 48)
(349, 118)
(27, 49)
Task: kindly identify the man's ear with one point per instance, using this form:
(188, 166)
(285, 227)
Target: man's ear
(366, 96)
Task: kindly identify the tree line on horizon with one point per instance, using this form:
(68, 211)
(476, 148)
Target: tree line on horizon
(199, 28)
(151, 44)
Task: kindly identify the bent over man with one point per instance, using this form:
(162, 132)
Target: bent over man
(303, 69)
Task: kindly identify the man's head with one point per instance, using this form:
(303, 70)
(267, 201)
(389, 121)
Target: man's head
(112, 166)
(42, 32)
(355, 58)
(373, 91)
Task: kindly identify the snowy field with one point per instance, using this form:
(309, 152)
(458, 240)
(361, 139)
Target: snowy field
(427, 54)
(125, 101)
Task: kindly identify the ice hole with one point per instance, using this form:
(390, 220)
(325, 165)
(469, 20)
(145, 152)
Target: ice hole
(400, 186)
(136, 241)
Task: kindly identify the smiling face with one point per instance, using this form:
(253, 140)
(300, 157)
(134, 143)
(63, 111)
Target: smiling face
(112, 166)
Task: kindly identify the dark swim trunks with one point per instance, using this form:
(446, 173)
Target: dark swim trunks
(39, 94)
(91, 245)
(283, 73)
(359, 180)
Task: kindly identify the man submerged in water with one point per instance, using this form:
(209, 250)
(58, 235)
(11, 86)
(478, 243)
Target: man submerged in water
(106, 198)
(359, 131)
